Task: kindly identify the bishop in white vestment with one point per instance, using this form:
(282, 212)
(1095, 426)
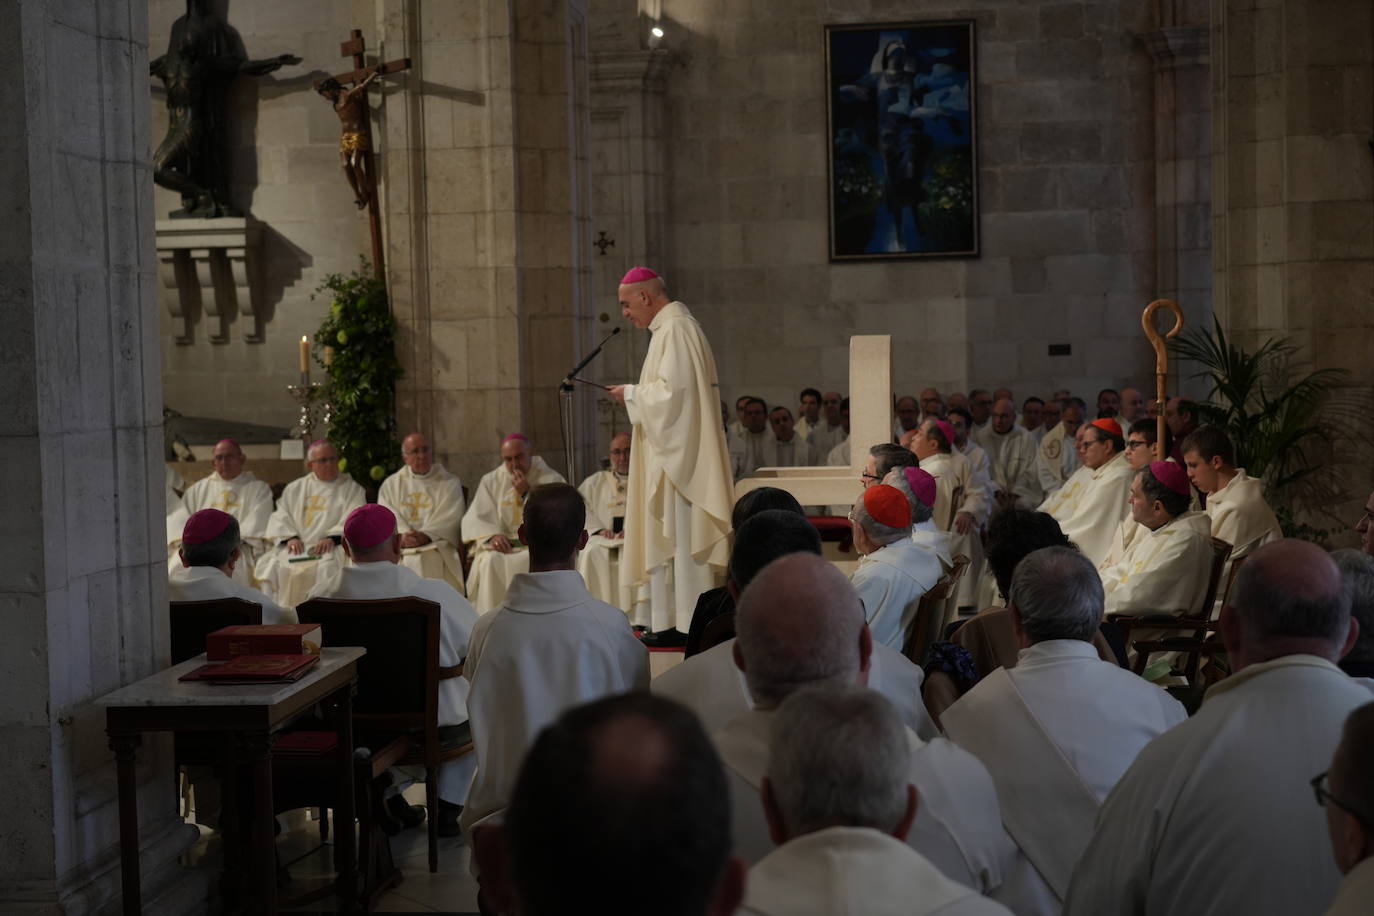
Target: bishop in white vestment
(599, 561)
(490, 524)
(306, 528)
(205, 568)
(233, 490)
(895, 573)
(428, 503)
(681, 490)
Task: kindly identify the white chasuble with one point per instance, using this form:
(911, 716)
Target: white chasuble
(681, 489)
(1089, 513)
(309, 509)
(1241, 517)
(246, 498)
(891, 582)
(1012, 459)
(824, 438)
(1164, 571)
(599, 562)
(1056, 459)
(432, 505)
(497, 508)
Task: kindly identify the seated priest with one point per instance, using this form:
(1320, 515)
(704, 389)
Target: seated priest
(428, 503)
(604, 493)
(307, 526)
(1226, 786)
(1057, 459)
(231, 489)
(963, 498)
(1057, 730)
(920, 490)
(801, 624)
(1011, 458)
(808, 412)
(830, 431)
(839, 453)
(491, 521)
(547, 647)
(844, 850)
(371, 540)
(712, 686)
(1235, 501)
(1091, 507)
(790, 448)
(895, 572)
(211, 548)
(1032, 418)
(753, 445)
(1140, 451)
(978, 503)
(1346, 790)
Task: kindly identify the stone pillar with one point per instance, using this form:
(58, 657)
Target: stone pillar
(82, 593)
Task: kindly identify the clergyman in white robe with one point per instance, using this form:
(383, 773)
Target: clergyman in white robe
(599, 561)
(1056, 459)
(495, 511)
(430, 503)
(243, 496)
(207, 583)
(1240, 516)
(310, 509)
(891, 582)
(1091, 506)
(1011, 456)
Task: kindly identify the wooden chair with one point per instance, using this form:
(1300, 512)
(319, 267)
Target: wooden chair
(398, 684)
(924, 628)
(1197, 624)
(192, 621)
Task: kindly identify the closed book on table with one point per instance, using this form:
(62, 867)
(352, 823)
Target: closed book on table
(254, 669)
(263, 639)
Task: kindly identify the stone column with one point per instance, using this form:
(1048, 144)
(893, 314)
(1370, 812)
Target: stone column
(82, 595)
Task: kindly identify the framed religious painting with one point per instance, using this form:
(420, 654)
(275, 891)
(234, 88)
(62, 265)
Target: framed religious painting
(903, 158)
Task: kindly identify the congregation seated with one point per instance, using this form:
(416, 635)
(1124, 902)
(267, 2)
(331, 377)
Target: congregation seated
(895, 571)
(1057, 730)
(428, 503)
(211, 549)
(711, 684)
(604, 493)
(490, 524)
(230, 489)
(1346, 790)
(306, 527)
(842, 849)
(801, 624)
(1211, 818)
(612, 795)
(549, 646)
(1092, 503)
(1235, 501)
(1357, 572)
(372, 542)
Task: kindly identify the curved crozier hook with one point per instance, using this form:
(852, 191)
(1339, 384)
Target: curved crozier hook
(1161, 358)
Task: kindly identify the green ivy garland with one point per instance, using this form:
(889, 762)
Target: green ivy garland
(362, 333)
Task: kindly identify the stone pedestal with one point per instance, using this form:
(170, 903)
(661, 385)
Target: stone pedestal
(204, 267)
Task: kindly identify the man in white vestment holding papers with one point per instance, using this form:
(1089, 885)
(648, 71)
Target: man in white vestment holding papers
(306, 528)
(211, 548)
(428, 503)
(229, 488)
(1057, 730)
(489, 526)
(378, 570)
(1227, 787)
(1091, 507)
(800, 623)
(599, 561)
(843, 848)
(680, 496)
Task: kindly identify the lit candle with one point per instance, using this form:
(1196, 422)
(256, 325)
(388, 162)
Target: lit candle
(328, 357)
(305, 353)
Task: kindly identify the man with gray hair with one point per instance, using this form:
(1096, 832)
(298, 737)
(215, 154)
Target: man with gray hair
(895, 572)
(841, 818)
(800, 624)
(1223, 787)
(1057, 730)
(1346, 791)
(1357, 572)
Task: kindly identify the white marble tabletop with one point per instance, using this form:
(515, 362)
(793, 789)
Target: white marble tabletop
(163, 688)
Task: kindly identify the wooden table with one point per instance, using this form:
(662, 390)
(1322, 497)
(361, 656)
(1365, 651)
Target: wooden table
(254, 714)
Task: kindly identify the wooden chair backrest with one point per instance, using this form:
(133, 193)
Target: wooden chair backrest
(947, 523)
(930, 612)
(1221, 552)
(192, 621)
(1231, 577)
(398, 678)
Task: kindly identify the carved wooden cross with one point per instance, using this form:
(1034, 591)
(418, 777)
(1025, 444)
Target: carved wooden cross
(355, 48)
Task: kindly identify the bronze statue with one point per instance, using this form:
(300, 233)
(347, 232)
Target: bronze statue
(203, 58)
(355, 142)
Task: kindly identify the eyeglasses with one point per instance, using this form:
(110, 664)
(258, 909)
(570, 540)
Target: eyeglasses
(1135, 443)
(1321, 789)
(422, 450)
(867, 476)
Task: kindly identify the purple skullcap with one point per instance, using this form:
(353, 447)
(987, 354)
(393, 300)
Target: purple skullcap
(205, 525)
(1171, 475)
(368, 526)
(637, 275)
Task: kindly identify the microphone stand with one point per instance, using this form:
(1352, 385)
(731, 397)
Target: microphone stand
(565, 393)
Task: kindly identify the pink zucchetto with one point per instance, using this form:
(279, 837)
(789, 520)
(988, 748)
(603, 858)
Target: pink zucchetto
(1171, 475)
(637, 275)
(515, 437)
(944, 427)
(888, 506)
(922, 485)
(369, 525)
(205, 525)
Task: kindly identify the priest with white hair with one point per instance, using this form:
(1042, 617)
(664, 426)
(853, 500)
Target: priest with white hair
(599, 562)
(490, 524)
(306, 528)
(428, 503)
(231, 489)
(895, 572)
(801, 624)
(1229, 787)
(1060, 728)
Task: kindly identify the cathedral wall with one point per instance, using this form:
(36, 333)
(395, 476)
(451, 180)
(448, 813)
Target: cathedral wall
(1064, 118)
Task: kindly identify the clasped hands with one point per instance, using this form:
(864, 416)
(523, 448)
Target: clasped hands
(296, 546)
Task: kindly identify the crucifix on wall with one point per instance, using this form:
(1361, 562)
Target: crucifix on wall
(355, 142)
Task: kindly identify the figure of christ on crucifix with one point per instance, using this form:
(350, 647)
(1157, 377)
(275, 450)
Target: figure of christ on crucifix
(355, 142)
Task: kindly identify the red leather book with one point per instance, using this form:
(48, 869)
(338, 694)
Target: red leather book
(254, 669)
(263, 639)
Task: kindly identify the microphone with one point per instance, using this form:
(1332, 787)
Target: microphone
(568, 379)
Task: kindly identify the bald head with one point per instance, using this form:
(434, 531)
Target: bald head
(1003, 415)
(800, 622)
(1288, 599)
(417, 454)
